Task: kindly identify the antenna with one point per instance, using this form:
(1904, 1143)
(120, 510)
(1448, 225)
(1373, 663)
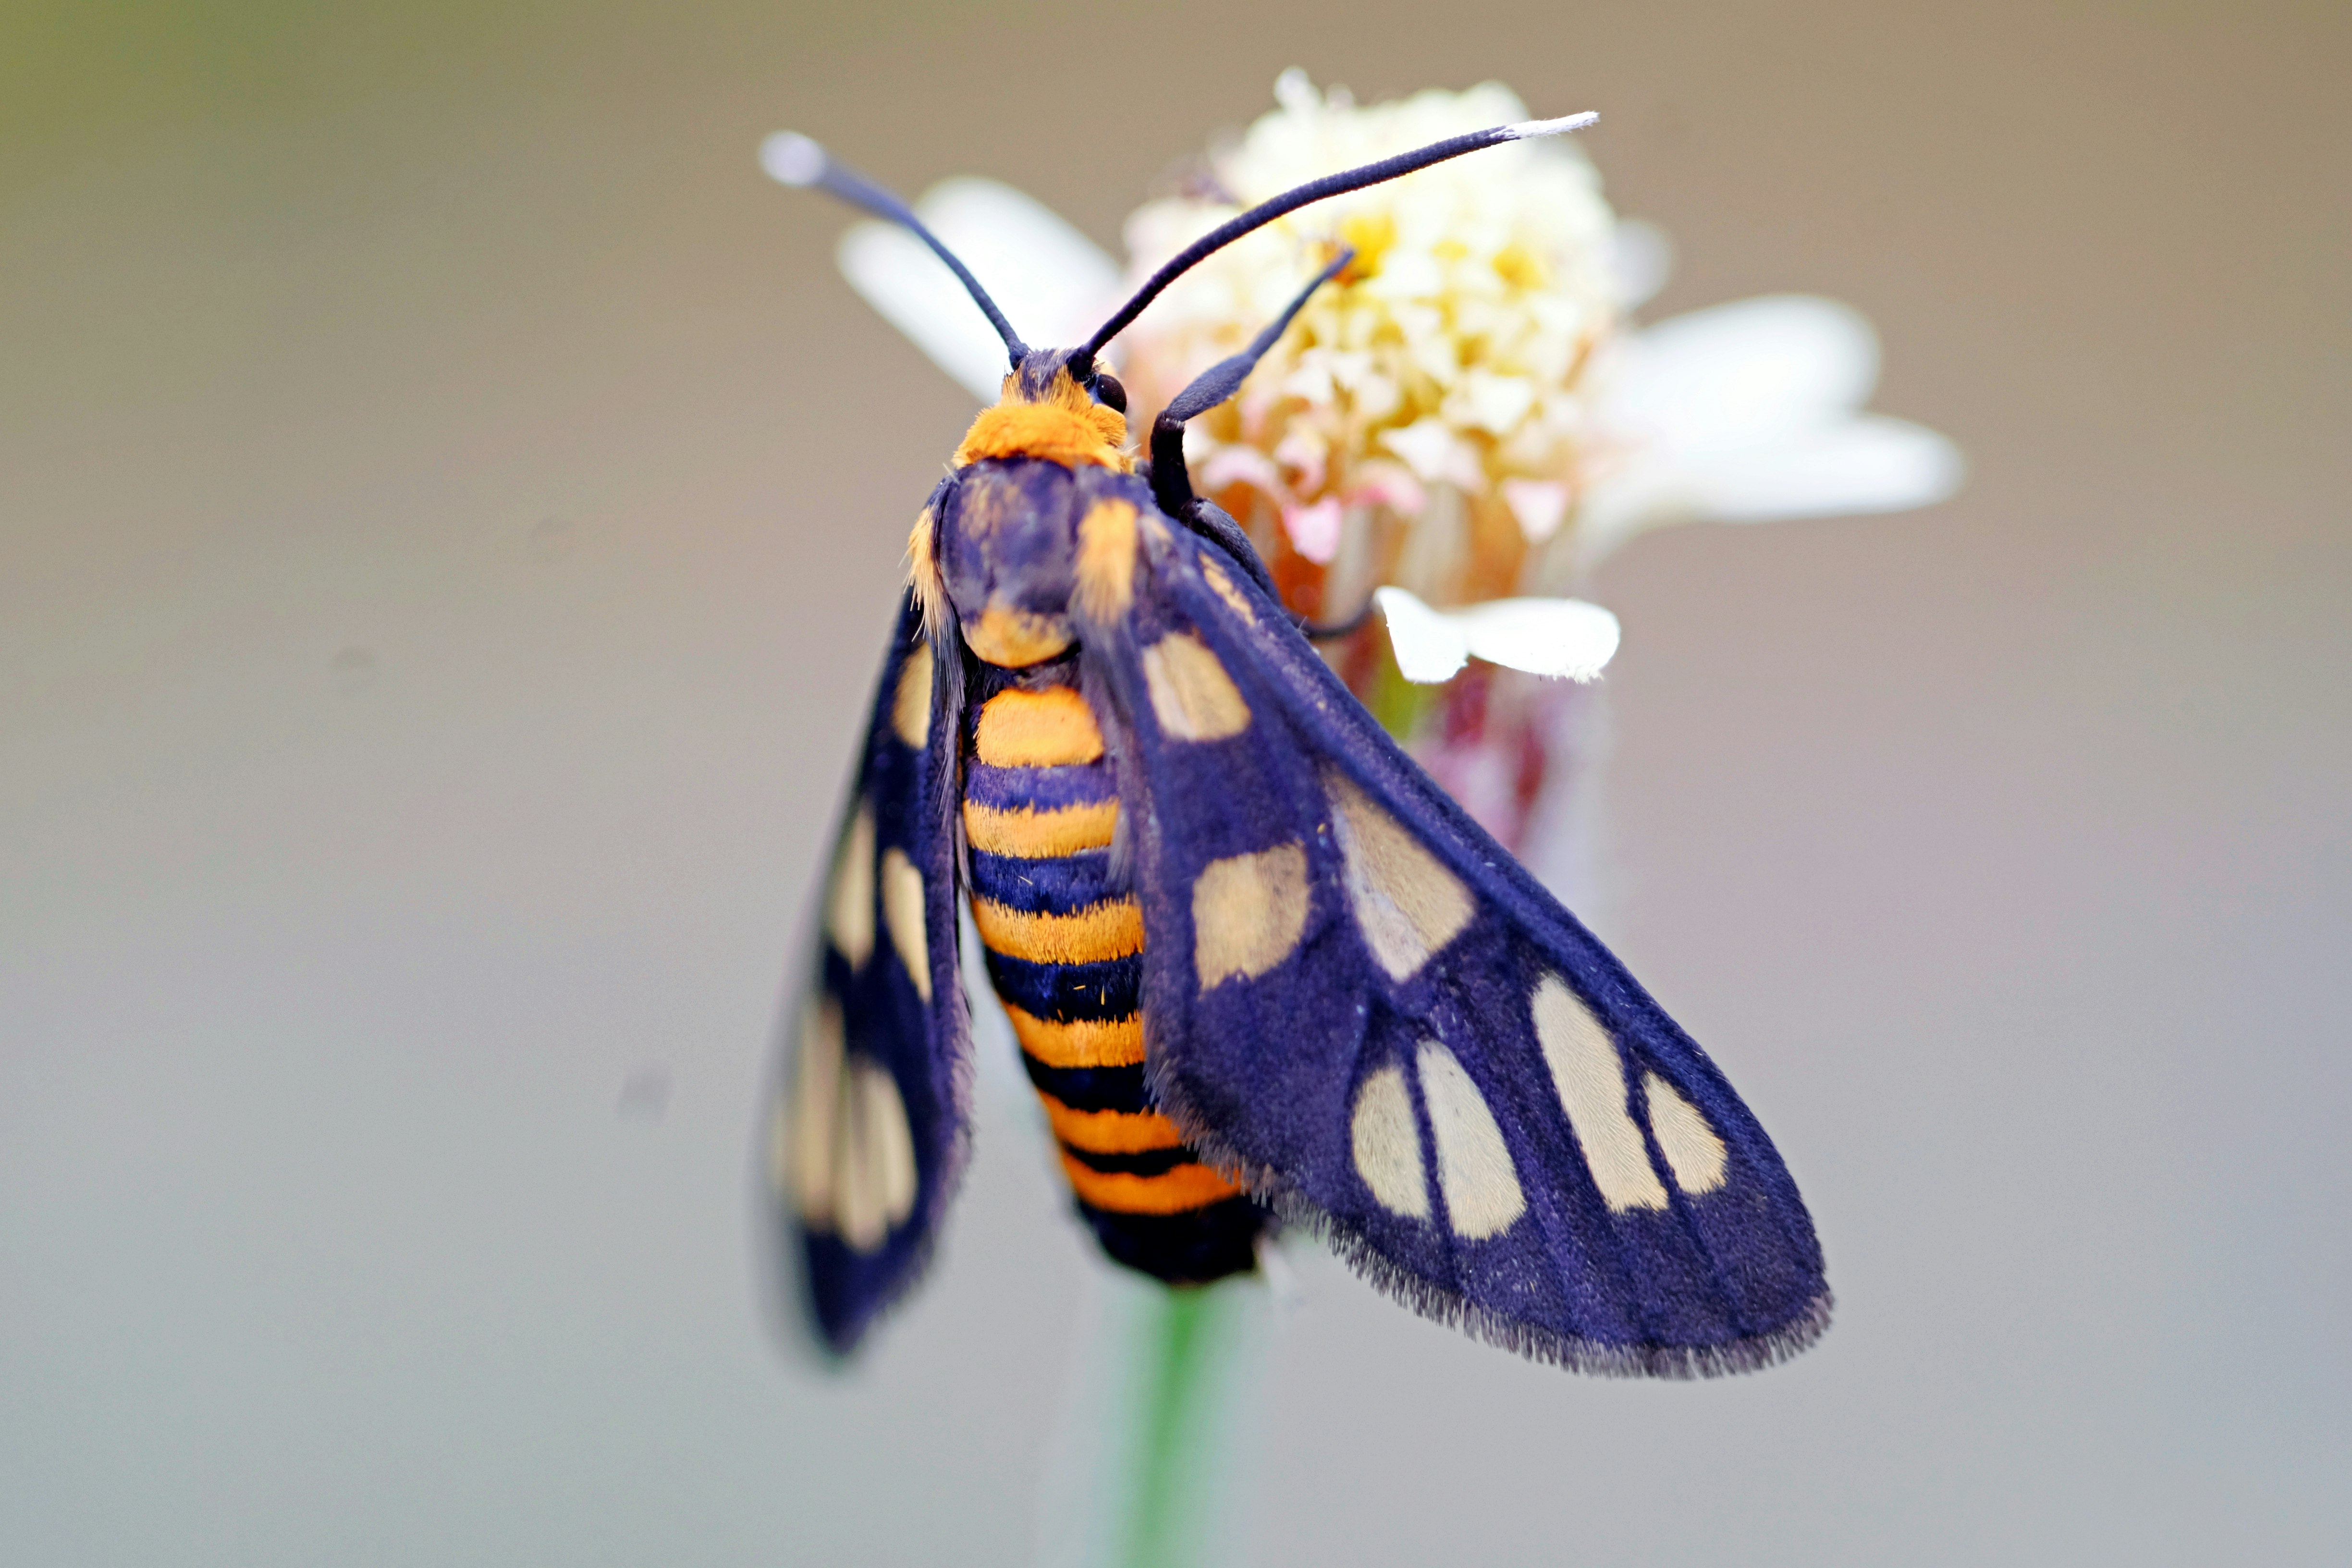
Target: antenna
(1347, 180)
(792, 159)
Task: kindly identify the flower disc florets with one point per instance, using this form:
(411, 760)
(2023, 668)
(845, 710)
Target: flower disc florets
(1427, 420)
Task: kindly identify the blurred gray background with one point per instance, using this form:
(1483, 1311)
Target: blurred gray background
(449, 508)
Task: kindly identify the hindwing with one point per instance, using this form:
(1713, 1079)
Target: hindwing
(871, 1120)
(1363, 1005)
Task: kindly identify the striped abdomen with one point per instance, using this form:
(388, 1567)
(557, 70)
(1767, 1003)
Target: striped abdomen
(1064, 940)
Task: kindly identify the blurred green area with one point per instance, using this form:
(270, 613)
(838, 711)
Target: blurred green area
(78, 81)
(87, 82)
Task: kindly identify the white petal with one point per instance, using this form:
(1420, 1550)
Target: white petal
(1640, 258)
(1643, 496)
(1745, 370)
(1543, 636)
(1044, 275)
(910, 288)
(1866, 465)
(1429, 647)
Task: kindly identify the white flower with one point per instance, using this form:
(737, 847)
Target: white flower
(1455, 344)
(1469, 416)
(1750, 412)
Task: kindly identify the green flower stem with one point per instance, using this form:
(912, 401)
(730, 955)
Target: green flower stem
(1160, 1485)
(1174, 1445)
(1397, 703)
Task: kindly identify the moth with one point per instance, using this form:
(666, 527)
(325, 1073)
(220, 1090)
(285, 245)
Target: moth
(1263, 971)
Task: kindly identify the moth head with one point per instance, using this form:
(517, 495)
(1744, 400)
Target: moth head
(1056, 409)
(1062, 376)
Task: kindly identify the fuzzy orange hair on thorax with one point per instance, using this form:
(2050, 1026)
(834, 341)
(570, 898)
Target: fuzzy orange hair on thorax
(1066, 425)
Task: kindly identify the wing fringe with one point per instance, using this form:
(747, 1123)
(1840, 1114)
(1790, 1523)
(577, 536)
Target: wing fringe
(1572, 1353)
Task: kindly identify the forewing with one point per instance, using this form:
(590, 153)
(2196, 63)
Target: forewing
(1363, 1003)
(871, 1121)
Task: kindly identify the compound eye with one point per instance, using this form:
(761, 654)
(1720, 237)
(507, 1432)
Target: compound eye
(1109, 392)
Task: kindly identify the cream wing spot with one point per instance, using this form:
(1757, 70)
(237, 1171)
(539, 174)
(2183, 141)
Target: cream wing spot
(1191, 695)
(1473, 1165)
(903, 913)
(857, 1206)
(808, 1137)
(910, 704)
(1408, 905)
(1248, 913)
(1222, 586)
(1591, 1081)
(1693, 1152)
(883, 1174)
(1387, 1144)
(849, 899)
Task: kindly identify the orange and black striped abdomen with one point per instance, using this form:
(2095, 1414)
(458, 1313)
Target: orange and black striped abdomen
(1064, 942)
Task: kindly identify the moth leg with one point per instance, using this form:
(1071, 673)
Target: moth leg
(1171, 481)
(1215, 524)
(1337, 630)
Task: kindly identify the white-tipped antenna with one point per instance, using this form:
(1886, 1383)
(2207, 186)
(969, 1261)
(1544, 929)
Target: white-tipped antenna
(792, 159)
(1528, 129)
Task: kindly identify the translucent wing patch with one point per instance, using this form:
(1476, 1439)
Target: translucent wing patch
(1359, 1002)
(869, 1128)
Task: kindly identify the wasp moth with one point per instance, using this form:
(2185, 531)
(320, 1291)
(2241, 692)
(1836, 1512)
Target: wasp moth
(1262, 969)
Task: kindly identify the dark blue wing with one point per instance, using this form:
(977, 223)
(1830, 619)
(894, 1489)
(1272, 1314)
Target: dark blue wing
(1361, 1003)
(871, 1123)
